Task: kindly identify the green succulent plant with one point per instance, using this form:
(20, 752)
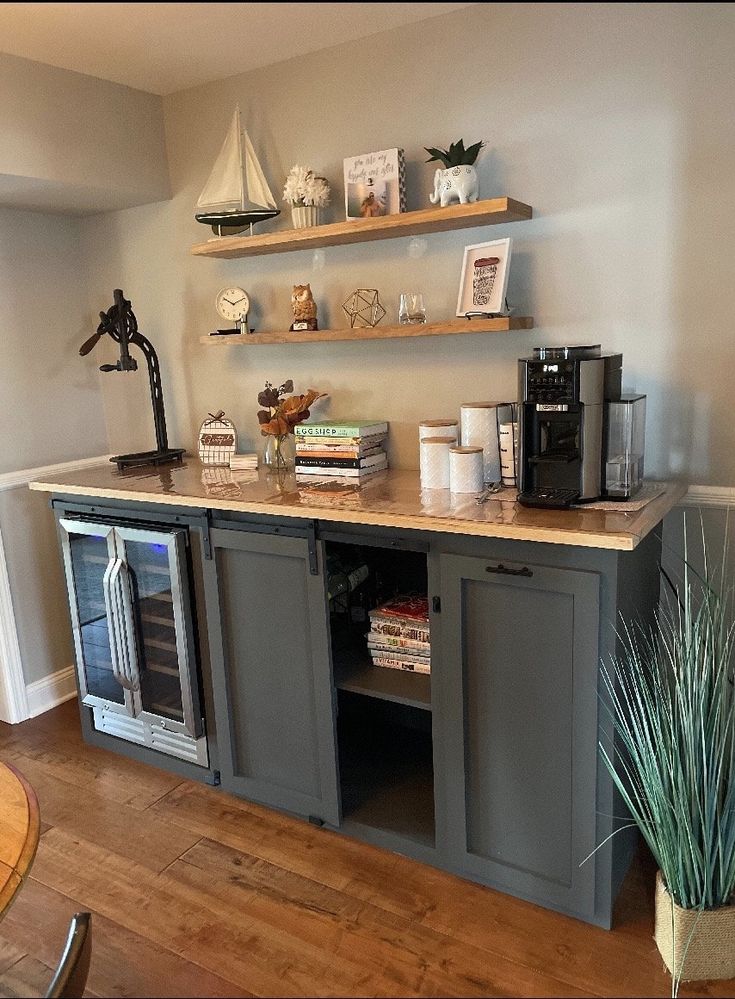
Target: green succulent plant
(456, 155)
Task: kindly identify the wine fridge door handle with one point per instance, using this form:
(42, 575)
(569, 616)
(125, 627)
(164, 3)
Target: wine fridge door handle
(112, 619)
(127, 622)
(118, 637)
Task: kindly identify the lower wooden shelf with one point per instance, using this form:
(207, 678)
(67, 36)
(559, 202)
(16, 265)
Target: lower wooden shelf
(386, 768)
(503, 324)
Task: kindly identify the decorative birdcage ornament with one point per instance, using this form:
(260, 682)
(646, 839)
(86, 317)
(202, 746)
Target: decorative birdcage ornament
(217, 440)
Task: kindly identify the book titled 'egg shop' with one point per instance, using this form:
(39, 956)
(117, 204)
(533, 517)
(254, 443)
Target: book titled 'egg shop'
(342, 428)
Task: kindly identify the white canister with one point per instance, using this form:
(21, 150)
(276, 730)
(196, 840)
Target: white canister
(479, 422)
(439, 428)
(466, 468)
(434, 462)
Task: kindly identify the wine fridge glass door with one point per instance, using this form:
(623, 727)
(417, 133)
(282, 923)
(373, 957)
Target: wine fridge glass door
(167, 691)
(89, 560)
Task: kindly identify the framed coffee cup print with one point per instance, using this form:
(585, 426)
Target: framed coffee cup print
(484, 280)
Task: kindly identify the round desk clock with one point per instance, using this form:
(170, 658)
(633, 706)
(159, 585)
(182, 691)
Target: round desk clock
(233, 304)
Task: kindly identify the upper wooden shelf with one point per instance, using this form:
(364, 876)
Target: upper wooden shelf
(503, 324)
(494, 211)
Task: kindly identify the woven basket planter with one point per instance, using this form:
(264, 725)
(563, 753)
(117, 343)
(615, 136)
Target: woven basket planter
(710, 953)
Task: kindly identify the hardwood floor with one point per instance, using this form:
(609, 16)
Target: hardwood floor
(196, 893)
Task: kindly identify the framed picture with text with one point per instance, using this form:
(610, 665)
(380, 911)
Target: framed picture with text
(484, 279)
(375, 184)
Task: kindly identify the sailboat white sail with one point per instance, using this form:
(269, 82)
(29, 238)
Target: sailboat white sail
(236, 193)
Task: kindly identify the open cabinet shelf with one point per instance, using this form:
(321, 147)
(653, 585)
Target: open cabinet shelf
(493, 211)
(386, 768)
(355, 672)
(503, 324)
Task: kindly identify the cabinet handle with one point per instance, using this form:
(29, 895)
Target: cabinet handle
(505, 571)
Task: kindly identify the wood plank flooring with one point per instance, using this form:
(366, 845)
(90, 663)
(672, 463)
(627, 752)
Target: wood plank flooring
(196, 893)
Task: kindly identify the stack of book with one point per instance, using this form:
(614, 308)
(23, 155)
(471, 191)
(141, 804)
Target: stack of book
(352, 448)
(399, 634)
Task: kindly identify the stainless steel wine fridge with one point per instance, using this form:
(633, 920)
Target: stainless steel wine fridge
(133, 634)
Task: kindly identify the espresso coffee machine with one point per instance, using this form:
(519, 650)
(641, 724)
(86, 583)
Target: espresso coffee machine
(563, 393)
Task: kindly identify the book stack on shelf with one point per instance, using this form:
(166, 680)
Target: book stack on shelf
(399, 635)
(353, 448)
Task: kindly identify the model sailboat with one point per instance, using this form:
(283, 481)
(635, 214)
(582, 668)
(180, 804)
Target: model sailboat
(236, 194)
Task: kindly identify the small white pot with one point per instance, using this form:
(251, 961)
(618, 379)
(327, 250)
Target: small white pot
(305, 216)
(457, 183)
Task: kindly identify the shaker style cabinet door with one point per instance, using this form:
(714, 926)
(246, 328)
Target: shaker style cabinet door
(271, 671)
(518, 717)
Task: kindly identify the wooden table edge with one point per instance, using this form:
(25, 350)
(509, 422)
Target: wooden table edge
(9, 889)
(30, 846)
(18, 871)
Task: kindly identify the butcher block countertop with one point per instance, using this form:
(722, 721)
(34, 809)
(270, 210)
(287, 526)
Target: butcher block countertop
(390, 499)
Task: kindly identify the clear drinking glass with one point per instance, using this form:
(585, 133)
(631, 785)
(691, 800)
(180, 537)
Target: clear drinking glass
(411, 309)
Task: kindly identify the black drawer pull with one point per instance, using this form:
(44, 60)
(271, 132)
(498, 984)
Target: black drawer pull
(505, 571)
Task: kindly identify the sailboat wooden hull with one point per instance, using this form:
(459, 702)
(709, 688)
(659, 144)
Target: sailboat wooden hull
(239, 219)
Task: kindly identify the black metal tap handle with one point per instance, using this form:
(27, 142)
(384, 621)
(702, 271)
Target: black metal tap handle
(120, 322)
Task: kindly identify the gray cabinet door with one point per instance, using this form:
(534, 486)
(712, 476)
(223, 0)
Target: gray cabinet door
(269, 644)
(517, 715)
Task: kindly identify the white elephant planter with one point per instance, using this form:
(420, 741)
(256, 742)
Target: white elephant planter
(457, 183)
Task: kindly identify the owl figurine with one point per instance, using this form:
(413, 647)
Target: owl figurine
(304, 309)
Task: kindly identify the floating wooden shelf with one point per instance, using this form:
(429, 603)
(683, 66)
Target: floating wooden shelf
(451, 326)
(494, 211)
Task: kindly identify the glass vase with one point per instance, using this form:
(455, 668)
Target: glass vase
(279, 454)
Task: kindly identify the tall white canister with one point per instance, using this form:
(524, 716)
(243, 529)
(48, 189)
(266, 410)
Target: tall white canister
(479, 428)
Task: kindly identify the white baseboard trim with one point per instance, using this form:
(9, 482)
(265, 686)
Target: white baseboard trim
(11, 480)
(13, 699)
(721, 496)
(46, 693)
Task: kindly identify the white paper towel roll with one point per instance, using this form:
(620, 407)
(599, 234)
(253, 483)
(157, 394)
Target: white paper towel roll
(439, 428)
(466, 469)
(508, 451)
(480, 429)
(434, 462)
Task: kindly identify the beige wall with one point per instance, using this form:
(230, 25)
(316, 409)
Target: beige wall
(52, 412)
(614, 121)
(52, 408)
(73, 143)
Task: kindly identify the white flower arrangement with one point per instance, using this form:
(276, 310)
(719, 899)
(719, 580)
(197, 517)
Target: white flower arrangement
(303, 187)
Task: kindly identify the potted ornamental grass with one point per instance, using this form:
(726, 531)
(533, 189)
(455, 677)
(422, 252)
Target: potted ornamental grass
(671, 693)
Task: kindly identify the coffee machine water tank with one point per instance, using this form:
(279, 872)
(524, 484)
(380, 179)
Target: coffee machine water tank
(624, 447)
